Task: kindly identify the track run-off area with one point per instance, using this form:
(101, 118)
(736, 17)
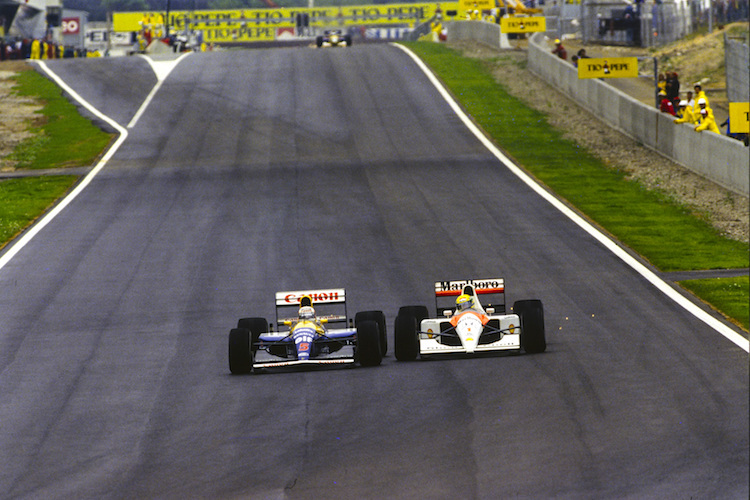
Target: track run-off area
(240, 173)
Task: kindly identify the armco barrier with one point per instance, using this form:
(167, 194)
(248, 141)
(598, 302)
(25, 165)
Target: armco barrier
(716, 157)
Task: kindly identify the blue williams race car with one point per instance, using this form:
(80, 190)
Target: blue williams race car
(306, 339)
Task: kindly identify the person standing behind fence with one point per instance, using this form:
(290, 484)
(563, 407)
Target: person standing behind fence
(559, 50)
(673, 88)
(665, 105)
(685, 113)
(706, 121)
(690, 100)
(699, 94)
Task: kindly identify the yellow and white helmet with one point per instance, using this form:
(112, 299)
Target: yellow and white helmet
(464, 301)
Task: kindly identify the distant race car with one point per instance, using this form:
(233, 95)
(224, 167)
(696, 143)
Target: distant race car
(333, 38)
(465, 326)
(305, 339)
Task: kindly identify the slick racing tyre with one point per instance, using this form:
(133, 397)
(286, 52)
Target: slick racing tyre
(368, 344)
(532, 325)
(256, 326)
(419, 312)
(319, 41)
(348, 40)
(379, 318)
(240, 355)
(406, 338)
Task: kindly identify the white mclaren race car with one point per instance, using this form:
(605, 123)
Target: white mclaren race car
(305, 339)
(333, 38)
(464, 325)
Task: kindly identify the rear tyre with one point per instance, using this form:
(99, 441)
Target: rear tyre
(319, 41)
(256, 326)
(240, 354)
(531, 313)
(419, 312)
(379, 318)
(348, 40)
(406, 338)
(368, 344)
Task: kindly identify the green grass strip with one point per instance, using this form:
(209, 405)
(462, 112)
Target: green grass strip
(67, 139)
(729, 295)
(662, 231)
(22, 200)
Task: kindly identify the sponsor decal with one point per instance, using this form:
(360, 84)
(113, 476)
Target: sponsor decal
(611, 67)
(70, 25)
(318, 296)
(448, 288)
(523, 24)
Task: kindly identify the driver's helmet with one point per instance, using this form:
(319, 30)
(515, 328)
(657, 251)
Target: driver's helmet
(464, 302)
(306, 312)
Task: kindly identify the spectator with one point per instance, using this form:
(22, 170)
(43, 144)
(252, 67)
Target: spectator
(574, 60)
(699, 94)
(690, 100)
(685, 113)
(559, 50)
(706, 121)
(666, 105)
(662, 83)
(673, 87)
(582, 54)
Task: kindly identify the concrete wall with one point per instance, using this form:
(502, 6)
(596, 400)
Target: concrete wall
(479, 31)
(737, 58)
(723, 160)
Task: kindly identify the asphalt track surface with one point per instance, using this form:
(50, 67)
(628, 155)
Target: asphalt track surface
(257, 171)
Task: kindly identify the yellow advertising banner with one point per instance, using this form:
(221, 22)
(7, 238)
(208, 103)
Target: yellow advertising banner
(739, 117)
(609, 67)
(522, 24)
(263, 24)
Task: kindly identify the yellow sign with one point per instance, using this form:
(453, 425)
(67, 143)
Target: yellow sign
(522, 24)
(479, 5)
(608, 67)
(739, 117)
(263, 24)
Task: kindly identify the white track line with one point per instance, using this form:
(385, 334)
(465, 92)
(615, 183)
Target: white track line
(655, 280)
(162, 70)
(18, 245)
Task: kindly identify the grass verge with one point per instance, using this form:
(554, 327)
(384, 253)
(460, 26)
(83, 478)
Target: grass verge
(661, 230)
(728, 295)
(23, 200)
(66, 138)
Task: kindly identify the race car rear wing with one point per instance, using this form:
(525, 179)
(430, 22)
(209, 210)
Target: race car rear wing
(492, 292)
(328, 304)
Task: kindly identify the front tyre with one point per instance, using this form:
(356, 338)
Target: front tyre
(240, 353)
(406, 338)
(368, 344)
(379, 318)
(531, 313)
(256, 326)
